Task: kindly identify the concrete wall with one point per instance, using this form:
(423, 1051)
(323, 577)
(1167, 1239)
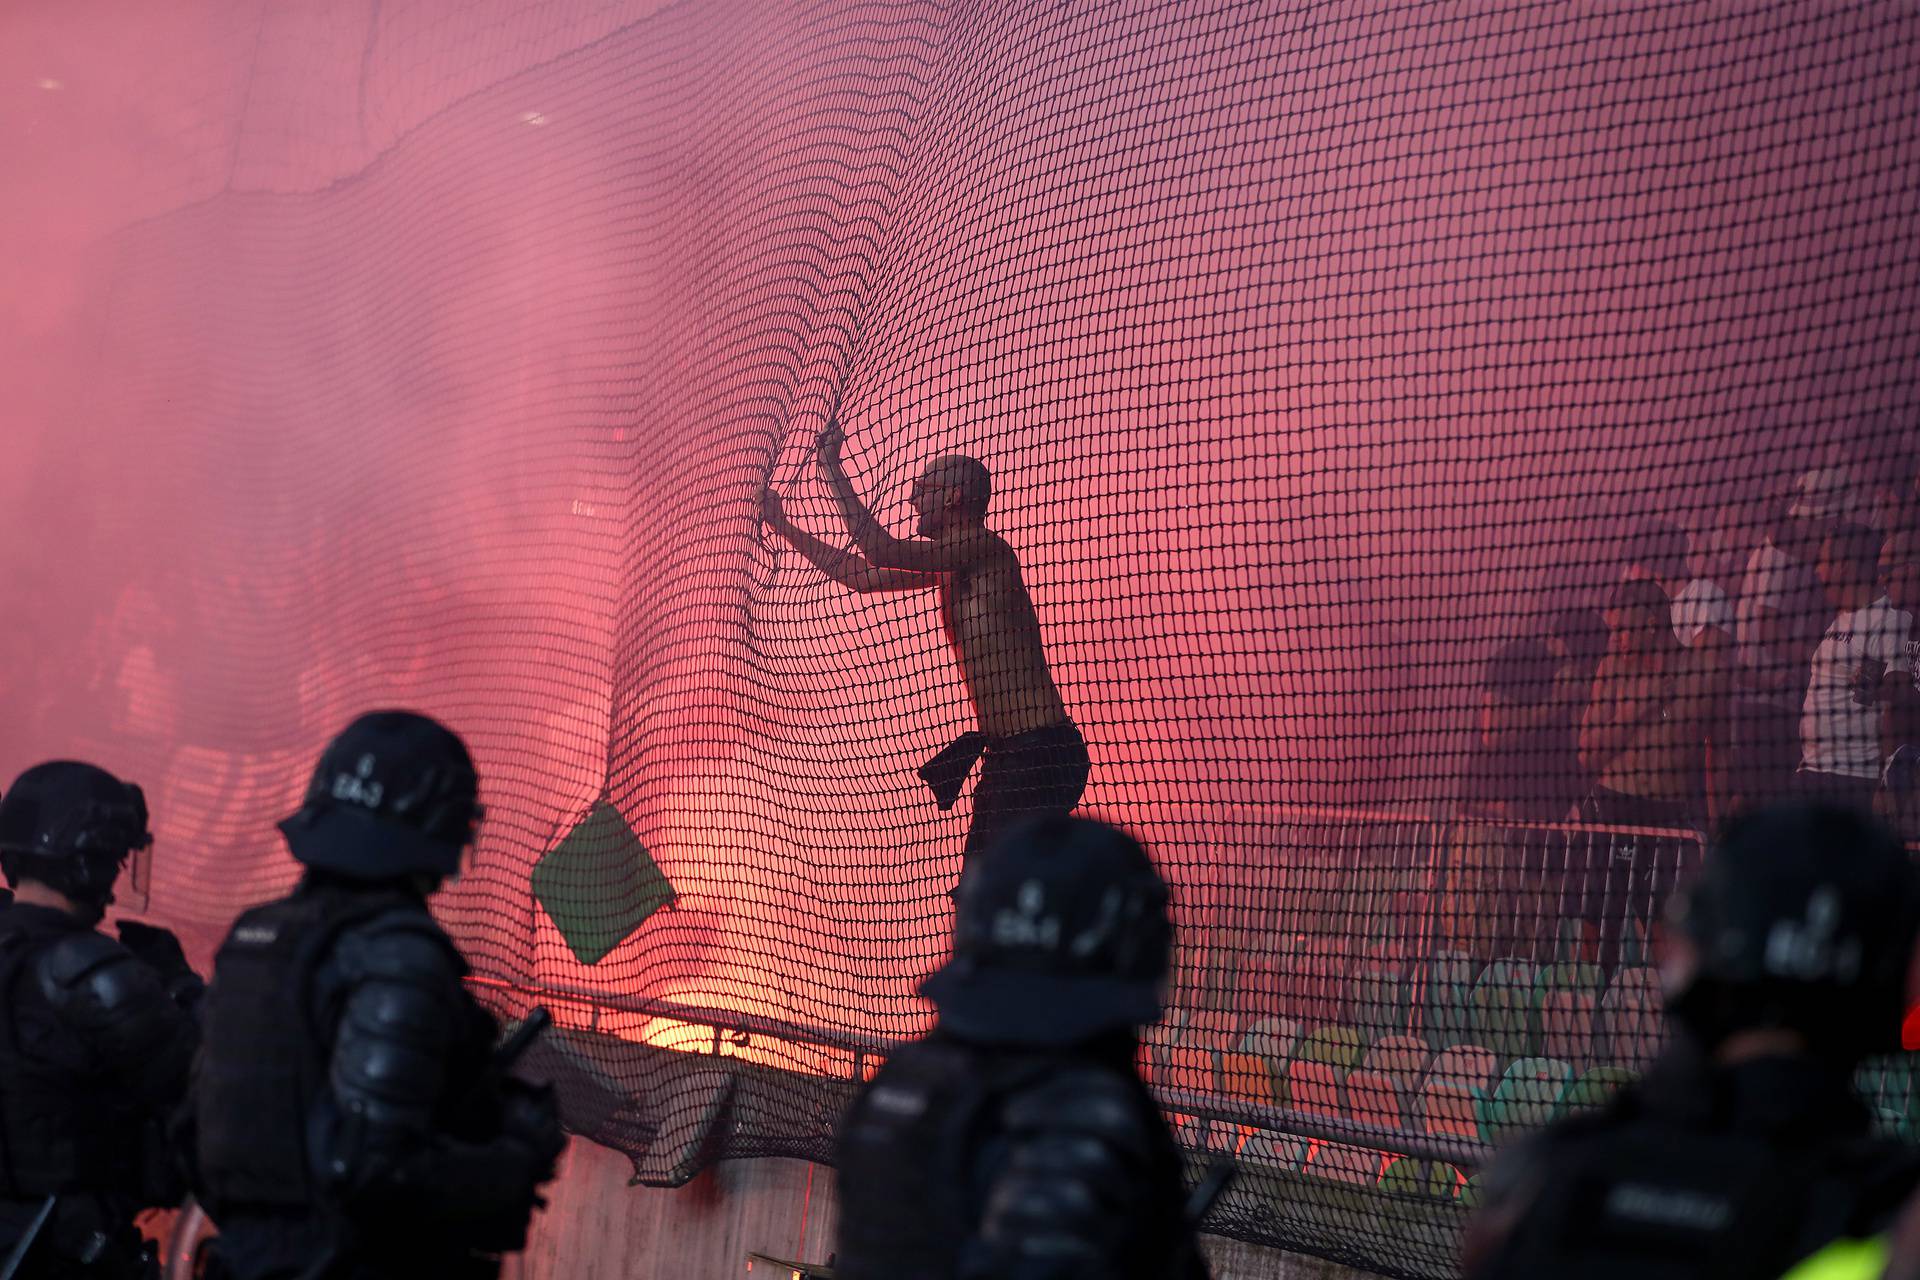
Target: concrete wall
(598, 1228)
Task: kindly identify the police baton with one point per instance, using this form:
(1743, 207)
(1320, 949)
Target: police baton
(32, 1233)
(514, 1047)
(1219, 1176)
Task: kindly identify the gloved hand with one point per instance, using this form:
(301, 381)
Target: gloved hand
(530, 1116)
(155, 947)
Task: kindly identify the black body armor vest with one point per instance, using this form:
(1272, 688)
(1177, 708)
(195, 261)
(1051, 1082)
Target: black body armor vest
(59, 1133)
(263, 1062)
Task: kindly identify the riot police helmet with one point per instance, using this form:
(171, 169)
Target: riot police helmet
(1062, 934)
(71, 826)
(1804, 917)
(394, 795)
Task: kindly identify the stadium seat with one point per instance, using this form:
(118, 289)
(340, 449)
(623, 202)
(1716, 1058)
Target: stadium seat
(1455, 1091)
(1629, 1018)
(1336, 1046)
(1427, 1179)
(1448, 1001)
(1272, 1041)
(1502, 1008)
(1566, 1024)
(1248, 1077)
(1596, 1087)
(1470, 1192)
(1376, 1099)
(1271, 1038)
(1467, 1064)
(1264, 1148)
(1376, 999)
(1314, 1088)
(1405, 1058)
(1528, 1097)
(1340, 1162)
(1189, 1068)
(1636, 945)
(1577, 942)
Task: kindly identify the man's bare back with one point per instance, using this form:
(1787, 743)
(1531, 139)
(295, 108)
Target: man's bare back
(1036, 759)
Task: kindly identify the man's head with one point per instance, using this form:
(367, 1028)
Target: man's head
(395, 797)
(1900, 571)
(952, 493)
(1803, 920)
(1639, 618)
(1849, 565)
(70, 827)
(1062, 936)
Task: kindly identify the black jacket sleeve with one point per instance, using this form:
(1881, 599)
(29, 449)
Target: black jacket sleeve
(1074, 1192)
(386, 1150)
(121, 1011)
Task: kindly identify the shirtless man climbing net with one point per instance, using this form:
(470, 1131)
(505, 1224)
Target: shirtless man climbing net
(1036, 760)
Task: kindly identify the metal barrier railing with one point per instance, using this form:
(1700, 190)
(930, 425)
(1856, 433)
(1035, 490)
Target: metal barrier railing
(1293, 938)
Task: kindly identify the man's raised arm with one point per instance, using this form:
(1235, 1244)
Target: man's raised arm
(882, 550)
(845, 568)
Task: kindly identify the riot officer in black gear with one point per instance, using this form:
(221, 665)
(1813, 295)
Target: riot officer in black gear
(346, 1117)
(96, 1036)
(1017, 1141)
(1745, 1148)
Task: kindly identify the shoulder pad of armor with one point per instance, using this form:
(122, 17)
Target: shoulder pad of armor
(68, 961)
(1084, 1099)
(98, 982)
(400, 945)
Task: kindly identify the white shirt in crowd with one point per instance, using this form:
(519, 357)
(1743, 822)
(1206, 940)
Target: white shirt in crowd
(1701, 604)
(1837, 734)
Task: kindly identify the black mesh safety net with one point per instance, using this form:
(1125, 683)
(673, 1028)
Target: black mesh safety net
(1453, 455)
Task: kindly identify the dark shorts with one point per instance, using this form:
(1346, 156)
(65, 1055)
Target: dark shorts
(1026, 776)
(1764, 751)
(1842, 789)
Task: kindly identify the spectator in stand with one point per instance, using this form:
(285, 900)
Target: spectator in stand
(1655, 722)
(1525, 768)
(1900, 783)
(1860, 671)
(1776, 624)
(1701, 610)
(1577, 638)
(1509, 889)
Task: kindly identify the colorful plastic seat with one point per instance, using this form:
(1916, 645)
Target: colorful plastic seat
(1596, 1088)
(1455, 1092)
(1340, 1162)
(1272, 1038)
(1629, 1018)
(1566, 1024)
(1264, 1148)
(1448, 1002)
(1427, 1179)
(1403, 1057)
(1502, 1017)
(1248, 1077)
(1528, 1097)
(1316, 1089)
(1376, 998)
(1376, 1100)
(1336, 1046)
